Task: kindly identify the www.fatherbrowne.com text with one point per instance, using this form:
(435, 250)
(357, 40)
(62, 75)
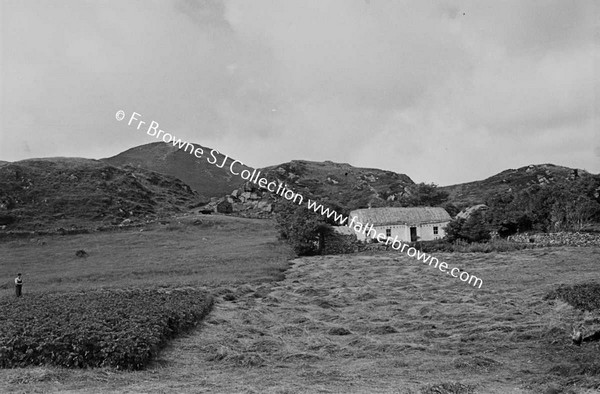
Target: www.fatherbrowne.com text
(283, 190)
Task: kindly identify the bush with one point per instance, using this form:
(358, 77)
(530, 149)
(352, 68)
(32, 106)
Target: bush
(422, 194)
(6, 220)
(448, 388)
(306, 231)
(120, 329)
(583, 296)
(340, 244)
(473, 229)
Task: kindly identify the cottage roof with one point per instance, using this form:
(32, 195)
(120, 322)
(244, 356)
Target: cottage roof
(410, 215)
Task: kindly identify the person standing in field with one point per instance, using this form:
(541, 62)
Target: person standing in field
(18, 285)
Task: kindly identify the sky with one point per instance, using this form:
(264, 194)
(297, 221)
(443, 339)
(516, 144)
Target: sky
(443, 91)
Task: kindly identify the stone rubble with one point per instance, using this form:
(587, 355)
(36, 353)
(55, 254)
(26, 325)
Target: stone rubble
(558, 239)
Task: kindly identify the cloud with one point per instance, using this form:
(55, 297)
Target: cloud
(444, 91)
(72, 64)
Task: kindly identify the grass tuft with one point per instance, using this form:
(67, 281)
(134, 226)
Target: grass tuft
(339, 331)
(448, 388)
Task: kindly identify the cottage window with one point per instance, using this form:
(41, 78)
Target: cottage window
(435, 230)
(388, 232)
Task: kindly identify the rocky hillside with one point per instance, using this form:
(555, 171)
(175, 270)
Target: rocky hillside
(41, 194)
(338, 185)
(511, 180)
(205, 178)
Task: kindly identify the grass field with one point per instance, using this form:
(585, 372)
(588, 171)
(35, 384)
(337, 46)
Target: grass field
(187, 251)
(376, 322)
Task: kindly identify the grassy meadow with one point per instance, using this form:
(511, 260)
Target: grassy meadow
(203, 250)
(373, 322)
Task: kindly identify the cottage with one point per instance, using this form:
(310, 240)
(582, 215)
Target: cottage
(409, 224)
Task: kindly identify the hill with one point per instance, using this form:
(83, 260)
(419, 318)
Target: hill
(337, 185)
(340, 183)
(69, 193)
(205, 178)
(511, 180)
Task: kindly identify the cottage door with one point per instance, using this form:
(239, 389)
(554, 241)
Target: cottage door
(413, 234)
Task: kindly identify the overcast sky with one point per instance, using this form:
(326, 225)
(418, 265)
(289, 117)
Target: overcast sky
(443, 91)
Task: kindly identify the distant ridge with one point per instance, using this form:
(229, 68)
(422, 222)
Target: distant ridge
(338, 184)
(205, 178)
(511, 180)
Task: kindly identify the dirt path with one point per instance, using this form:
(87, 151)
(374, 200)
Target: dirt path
(370, 324)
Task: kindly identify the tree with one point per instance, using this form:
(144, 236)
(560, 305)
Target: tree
(565, 205)
(306, 231)
(474, 229)
(453, 229)
(505, 216)
(422, 194)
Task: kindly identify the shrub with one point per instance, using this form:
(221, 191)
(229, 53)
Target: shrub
(339, 244)
(448, 388)
(6, 219)
(422, 194)
(583, 296)
(121, 329)
(473, 229)
(306, 231)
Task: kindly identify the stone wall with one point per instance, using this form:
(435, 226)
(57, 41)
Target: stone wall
(558, 239)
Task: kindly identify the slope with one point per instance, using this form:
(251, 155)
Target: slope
(207, 179)
(73, 192)
(337, 185)
(511, 180)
